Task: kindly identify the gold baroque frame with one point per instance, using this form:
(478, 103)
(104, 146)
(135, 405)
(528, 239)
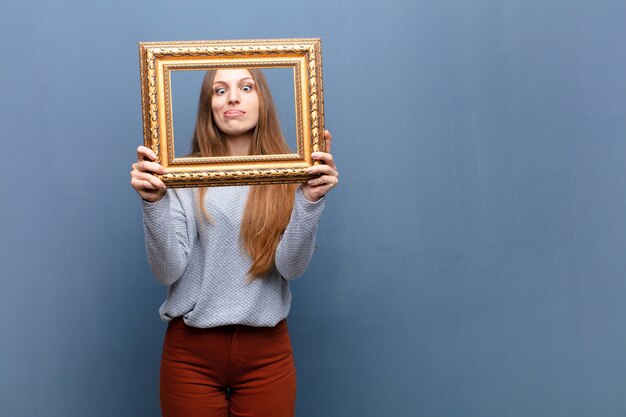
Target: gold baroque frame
(158, 59)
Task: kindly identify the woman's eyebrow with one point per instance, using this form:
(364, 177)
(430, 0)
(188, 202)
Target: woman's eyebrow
(238, 82)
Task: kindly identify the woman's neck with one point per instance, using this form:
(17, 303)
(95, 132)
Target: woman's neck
(239, 145)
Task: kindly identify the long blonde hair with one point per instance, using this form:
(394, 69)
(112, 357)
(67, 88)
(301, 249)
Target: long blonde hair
(268, 207)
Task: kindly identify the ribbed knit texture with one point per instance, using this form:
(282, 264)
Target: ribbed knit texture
(205, 266)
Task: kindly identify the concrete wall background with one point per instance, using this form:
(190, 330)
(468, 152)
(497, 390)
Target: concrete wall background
(470, 264)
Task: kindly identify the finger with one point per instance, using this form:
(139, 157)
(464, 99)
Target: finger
(141, 185)
(147, 166)
(154, 181)
(329, 140)
(328, 181)
(327, 168)
(324, 157)
(141, 178)
(329, 173)
(144, 153)
(323, 169)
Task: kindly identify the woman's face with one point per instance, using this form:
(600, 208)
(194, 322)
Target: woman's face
(235, 102)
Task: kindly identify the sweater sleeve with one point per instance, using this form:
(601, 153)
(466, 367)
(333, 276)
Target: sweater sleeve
(169, 237)
(296, 246)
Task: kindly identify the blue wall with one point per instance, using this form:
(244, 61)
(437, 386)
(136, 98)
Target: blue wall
(472, 262)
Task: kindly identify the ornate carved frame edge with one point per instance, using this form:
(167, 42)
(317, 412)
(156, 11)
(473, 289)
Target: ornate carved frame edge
(309, 102)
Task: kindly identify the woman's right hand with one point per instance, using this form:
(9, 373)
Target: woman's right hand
(142, 178)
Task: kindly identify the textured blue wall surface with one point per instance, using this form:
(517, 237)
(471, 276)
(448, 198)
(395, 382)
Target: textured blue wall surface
(471, 263)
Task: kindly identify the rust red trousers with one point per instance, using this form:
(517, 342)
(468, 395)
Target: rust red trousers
(227, 371)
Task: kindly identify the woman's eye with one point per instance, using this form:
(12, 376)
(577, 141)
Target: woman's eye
(220, 91)
(246, 88)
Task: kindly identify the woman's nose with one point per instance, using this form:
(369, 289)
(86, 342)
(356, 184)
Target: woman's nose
(233, 96)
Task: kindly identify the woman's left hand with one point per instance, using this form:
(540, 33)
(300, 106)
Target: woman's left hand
(316, 188)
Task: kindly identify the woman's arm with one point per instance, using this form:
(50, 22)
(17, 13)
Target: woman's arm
(296, 246)
(166, 227)
(169, 234)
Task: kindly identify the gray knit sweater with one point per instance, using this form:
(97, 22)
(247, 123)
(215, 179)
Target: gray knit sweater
(205, 266)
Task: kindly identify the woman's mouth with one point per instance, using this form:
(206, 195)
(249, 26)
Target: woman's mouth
(234, 113)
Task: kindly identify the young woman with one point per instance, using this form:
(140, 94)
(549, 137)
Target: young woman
(227, 255)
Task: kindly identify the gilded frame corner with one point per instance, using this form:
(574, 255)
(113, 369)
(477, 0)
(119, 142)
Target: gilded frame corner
(158, 59)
